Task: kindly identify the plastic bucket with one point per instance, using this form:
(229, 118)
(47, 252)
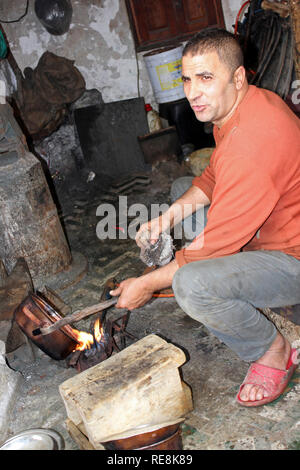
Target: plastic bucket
(164, 70)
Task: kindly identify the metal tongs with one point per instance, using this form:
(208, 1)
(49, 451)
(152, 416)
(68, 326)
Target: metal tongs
(76, 316)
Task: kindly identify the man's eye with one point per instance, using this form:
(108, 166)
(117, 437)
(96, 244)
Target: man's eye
(206, 77)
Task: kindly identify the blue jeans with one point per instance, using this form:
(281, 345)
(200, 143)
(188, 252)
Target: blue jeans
(224, 293)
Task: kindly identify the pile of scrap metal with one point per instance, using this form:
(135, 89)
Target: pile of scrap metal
(269, 45)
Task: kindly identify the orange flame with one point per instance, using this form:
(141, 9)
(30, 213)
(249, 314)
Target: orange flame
(86, 340)
(98, 330)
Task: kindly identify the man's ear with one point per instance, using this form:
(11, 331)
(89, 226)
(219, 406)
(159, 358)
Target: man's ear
(239, 77)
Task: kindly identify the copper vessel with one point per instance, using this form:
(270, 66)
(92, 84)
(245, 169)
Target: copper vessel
(166, 438)
(36, 312)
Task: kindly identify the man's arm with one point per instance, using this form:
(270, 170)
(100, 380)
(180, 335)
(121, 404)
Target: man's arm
(189, 202)
(135, 292)
(186, 205)
(244, 197)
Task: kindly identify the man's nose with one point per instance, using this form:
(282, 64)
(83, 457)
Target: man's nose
(193, 91)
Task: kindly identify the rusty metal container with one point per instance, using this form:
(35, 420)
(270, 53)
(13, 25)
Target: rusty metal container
(161, 145)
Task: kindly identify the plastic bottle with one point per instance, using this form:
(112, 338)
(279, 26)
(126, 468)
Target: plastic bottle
(153, 118)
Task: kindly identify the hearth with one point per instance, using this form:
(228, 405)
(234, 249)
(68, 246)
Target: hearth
(108, 335)
(81, 349)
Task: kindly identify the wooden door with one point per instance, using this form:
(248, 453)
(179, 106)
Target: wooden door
(194, 15)
(153, 20)
(161, 22)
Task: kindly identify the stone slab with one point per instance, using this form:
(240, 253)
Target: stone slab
(10, 383)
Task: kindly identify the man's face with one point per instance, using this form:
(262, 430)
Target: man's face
(209, 87)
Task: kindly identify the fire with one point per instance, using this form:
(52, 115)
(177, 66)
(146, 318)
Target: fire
(98, 330)
(86, 340)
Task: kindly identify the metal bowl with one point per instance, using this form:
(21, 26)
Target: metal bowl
(35, 439)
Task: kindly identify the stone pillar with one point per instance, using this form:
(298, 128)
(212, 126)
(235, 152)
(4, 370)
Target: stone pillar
(29, 224)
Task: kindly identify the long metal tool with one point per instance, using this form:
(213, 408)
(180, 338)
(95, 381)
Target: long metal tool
(76, 316)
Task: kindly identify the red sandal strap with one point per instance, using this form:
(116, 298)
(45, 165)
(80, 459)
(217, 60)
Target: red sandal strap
(269, 378)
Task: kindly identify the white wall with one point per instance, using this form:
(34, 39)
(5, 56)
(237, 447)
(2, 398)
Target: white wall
(230, 10)
(99, 41)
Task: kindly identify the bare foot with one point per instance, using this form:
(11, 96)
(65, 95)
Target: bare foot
(277, 356)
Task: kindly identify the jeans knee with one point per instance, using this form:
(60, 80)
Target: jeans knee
(180, 186)
(182, 285)
(192, 294)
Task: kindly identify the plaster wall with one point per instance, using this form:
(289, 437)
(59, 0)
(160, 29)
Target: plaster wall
(99, 41)
(230, 10)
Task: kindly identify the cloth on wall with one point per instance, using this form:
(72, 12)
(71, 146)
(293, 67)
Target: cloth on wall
(43, 95)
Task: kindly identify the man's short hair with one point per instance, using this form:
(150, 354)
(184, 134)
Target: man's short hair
(219, 40)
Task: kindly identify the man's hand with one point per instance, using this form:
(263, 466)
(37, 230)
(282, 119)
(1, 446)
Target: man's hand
(151, 230)
(189, 202)
(133, 294)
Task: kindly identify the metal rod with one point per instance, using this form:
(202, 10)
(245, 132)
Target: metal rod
(76, 316)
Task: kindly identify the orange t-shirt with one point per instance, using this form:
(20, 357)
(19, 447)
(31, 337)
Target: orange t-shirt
(252, 181)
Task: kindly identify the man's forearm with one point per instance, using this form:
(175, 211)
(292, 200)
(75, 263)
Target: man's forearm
(160, 278)
(187, 204)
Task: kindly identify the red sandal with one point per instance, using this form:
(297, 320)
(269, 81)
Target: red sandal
(274, 381)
